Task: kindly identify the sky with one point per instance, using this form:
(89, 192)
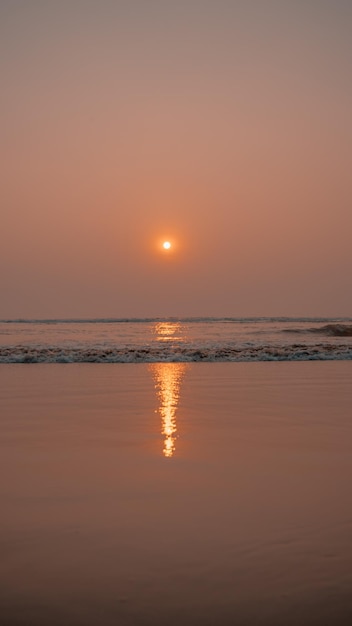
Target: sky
(222, 126)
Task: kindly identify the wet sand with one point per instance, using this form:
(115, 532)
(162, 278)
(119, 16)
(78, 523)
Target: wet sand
(193, 494)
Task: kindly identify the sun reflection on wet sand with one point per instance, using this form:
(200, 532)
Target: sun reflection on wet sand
(168, 378)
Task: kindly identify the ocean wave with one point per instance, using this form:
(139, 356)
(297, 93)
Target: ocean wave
(56, 354)
(190, 320)
(335, 330)
(330, 330)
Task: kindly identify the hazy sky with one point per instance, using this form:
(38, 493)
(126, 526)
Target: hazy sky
(223, 126)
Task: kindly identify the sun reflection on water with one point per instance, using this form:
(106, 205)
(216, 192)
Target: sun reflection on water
(168, 331)
(168, 378)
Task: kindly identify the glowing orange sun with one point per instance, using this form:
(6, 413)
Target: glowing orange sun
(166, 245)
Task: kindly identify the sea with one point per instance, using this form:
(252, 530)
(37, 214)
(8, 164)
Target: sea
(153, 340)
(176, 487)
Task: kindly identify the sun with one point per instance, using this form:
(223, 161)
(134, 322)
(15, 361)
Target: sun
(166, 245)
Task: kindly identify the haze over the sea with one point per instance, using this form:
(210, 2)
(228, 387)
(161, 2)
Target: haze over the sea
(222, 127)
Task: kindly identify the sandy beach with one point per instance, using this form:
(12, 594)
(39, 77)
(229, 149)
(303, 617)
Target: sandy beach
(176, 494)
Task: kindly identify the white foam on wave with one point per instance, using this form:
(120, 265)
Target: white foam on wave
(151, 354)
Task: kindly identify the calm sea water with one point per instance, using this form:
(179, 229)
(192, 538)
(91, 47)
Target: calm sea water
(175, 340)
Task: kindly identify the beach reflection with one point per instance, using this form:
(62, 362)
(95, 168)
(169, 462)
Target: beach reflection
(168, 378)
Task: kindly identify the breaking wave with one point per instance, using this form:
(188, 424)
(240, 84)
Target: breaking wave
(54, 354)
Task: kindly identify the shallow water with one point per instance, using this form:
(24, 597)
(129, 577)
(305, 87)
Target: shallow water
(176, 493)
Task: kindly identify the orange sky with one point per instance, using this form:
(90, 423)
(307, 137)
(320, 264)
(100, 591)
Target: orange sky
(222, 126)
